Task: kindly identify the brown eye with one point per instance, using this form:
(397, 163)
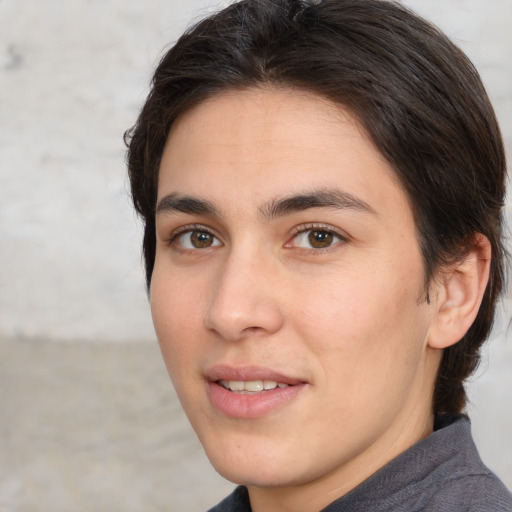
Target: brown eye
(316, 239)
(201, 239)
(320, 239)
(197, 239)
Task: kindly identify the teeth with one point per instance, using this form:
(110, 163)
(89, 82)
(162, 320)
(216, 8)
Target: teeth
(254, 385)
(251, 386)
(236, 385)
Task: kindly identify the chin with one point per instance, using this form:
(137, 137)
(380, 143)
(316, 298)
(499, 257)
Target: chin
(257, 476)
(259, 465)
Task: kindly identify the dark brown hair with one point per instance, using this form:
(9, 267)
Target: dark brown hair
(417, 95)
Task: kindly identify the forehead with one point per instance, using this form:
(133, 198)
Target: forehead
(240, 147)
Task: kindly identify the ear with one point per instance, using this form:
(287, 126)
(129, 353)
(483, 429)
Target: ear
(460, 290)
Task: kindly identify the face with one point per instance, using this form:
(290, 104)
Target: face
(287, 292)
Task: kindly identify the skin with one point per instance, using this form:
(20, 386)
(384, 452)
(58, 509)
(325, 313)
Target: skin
(347, 319)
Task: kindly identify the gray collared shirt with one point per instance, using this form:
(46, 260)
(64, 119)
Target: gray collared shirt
(441, 473)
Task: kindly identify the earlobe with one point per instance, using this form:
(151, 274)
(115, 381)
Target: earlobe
(460, 292)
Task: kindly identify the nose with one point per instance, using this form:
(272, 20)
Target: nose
(245, 299)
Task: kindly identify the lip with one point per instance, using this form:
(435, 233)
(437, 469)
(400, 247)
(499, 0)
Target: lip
(226, 372)
(250, 406)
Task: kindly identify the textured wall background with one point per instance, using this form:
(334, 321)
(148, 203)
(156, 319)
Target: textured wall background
(73, 76)
(92, 422)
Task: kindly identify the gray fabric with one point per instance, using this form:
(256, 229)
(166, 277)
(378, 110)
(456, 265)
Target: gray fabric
(442, 473)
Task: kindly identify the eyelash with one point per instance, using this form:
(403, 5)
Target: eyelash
(299, 230)
(305, 228)
(172, 241)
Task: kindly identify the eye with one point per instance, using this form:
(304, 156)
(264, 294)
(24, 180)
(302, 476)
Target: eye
(316, 238)
(196, 239)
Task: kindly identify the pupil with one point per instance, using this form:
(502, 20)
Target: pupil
(201, 239)
(319, 239)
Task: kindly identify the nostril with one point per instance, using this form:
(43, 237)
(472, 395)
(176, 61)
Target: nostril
(252, 329)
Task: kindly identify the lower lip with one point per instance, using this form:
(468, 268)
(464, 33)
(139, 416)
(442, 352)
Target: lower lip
(256, 405)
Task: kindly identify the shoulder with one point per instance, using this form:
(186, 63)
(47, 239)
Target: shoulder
(461, 481)
(472, 492)
(441, 473)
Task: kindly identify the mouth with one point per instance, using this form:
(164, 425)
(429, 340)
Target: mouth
(251, 386)
(251, 392)
(252, 379)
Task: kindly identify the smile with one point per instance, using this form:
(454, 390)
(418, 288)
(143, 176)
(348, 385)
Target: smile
(251, 386)
(250, 392)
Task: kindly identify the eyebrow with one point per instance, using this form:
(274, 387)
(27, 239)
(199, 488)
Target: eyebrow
(186, 204)
(278, 207)
(323, 198)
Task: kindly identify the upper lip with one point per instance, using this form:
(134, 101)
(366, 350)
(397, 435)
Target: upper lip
(248, 373)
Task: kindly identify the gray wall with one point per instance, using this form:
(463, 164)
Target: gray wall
(73, 75)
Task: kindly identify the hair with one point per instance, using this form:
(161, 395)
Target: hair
(415, 93)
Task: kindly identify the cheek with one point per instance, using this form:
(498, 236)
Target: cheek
(175, 308)
(175, 319)
(342, 304)
(367, 319)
